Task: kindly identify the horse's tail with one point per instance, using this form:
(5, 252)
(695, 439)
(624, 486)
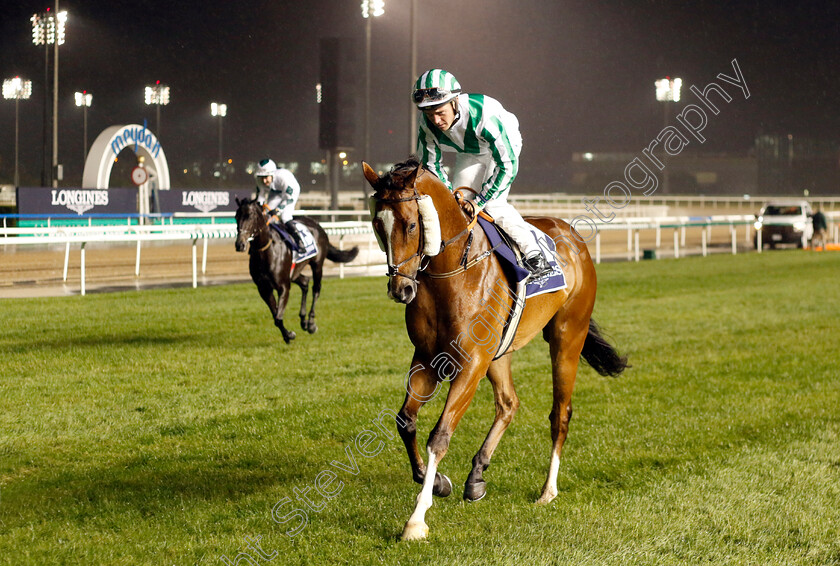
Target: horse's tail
(601, 355)
(342, 256)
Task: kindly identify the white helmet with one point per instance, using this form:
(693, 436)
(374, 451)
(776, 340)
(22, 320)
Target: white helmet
(266, 168)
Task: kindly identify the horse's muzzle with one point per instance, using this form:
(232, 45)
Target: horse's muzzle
(241, 246)
(404, 293)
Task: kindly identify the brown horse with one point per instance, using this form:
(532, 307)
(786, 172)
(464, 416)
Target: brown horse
(271, 264)
(458, 298)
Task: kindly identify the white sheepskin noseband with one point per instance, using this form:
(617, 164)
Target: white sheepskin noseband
(431, 226)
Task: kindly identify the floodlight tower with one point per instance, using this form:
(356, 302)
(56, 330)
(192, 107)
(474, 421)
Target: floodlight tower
(84, 100)
(412, 111)
(370, 9)
(158, 95)
(667, 92)
(219, 110)
(48, 29)
(18, 89)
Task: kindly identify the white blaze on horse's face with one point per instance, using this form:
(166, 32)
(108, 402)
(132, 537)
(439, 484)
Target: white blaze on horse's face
(400, 239)
(386, 217)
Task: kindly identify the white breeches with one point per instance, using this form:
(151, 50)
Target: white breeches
(286, 213)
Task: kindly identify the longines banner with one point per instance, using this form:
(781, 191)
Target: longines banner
(45, 200)
(200, 200)
(40, 200)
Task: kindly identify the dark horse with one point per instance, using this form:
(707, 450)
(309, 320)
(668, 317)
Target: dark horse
(458, 298)
(271, 263)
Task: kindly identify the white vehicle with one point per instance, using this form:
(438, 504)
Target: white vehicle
(785, 222)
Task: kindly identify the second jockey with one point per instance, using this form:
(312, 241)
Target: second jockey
(278, 191)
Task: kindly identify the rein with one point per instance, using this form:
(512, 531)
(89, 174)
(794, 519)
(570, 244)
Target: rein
(462, 268)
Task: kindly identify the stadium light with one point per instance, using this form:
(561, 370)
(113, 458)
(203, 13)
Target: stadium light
(667, 92)
(48, 28)
(370, 9)
(373, 8)
(158, 95)
(17, 89)
(668, 89)
(84, 100)
(219, 110)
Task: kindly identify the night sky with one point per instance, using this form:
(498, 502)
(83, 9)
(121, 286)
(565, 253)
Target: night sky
(579, 75)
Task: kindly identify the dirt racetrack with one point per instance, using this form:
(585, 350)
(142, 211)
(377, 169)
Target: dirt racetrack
(31, 270)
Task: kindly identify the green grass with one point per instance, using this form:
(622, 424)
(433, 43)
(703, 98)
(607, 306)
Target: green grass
(162, 427)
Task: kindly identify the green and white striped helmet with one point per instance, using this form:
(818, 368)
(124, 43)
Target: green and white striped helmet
(434, 87)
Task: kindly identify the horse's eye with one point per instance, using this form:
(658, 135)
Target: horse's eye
(412, 227)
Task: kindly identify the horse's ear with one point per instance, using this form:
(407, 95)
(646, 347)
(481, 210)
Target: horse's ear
(237, 201)
(409, 180)
(370, 174)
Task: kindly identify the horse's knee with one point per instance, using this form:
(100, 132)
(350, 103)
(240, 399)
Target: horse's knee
(406, 425)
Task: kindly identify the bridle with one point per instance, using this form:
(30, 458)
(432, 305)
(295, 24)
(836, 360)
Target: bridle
(252, 231)
(393, 268)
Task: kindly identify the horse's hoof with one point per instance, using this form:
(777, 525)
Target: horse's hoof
(475, 491)
(289, 336)
(443, 486)
(545, 498)
(312, 327)
(415, 531)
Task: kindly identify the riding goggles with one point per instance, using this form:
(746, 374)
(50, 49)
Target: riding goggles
(434, 94)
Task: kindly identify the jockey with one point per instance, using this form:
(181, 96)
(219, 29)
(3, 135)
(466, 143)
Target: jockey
(280, 197)
(486, 140)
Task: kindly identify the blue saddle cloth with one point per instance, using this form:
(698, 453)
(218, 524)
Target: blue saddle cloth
(310, 248)
(547, 284)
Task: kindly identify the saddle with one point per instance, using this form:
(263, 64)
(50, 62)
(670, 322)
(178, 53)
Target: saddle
(310, 248)
(510, 256)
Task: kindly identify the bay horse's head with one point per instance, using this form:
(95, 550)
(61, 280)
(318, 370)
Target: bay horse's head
(406, 225)
(249, 221)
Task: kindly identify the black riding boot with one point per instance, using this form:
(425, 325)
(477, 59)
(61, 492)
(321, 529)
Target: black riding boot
(537, 265)
(291, 228)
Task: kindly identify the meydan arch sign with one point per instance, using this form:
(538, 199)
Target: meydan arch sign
(110, 143)
(150, 175)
